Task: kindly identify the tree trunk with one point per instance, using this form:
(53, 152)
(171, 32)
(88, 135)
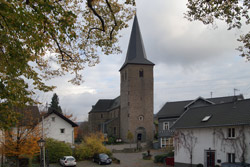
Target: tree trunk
(191, 159)
(17, 161)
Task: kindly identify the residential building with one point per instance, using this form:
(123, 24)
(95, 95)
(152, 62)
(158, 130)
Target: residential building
(213, 134)
(171, 111)
(133, 109)
(59, 127)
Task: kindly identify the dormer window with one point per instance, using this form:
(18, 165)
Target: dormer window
(206, 118)
(141, 73)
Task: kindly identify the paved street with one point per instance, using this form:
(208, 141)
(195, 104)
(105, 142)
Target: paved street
(127, 160)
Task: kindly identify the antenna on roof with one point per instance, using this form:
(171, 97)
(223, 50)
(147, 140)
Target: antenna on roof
(235, 91)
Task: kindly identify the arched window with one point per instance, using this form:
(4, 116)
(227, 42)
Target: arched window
(141, 73)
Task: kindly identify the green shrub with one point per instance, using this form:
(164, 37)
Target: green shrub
(160, 158)
(171, 154)
(199, 165)
(111, 140)
(57, 149)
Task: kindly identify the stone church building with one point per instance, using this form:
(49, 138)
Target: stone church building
(133, 109)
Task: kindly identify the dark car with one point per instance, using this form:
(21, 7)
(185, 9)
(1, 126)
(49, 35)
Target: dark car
(102, 159)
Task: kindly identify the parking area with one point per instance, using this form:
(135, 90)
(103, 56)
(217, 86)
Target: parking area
(127, 160)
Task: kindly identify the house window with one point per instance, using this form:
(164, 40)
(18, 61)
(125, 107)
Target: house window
(114, 130)
(170, 142)
(163, 142)
(231, 133)
(165, 125)
(62, 130)
(141, 73)
(231, 157)
(101, 115)
(53, 119)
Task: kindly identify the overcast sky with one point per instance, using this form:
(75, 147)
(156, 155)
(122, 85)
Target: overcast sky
(191, 60)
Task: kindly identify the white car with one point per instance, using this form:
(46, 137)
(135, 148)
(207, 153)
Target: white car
(68, 161)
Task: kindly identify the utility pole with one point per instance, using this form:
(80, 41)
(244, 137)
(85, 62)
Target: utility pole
(211, 93)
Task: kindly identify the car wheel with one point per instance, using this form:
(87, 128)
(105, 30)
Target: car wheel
(99, 163)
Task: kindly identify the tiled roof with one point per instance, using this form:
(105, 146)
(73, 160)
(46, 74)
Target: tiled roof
(136, 53)
(104, 105)
(173, 109)
(177, 108)
(224, 114)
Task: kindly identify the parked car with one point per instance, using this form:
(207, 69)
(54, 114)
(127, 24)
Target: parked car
(102, 159)
(68, 161)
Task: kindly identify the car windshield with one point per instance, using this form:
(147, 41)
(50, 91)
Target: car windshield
(104, 156)
(70, 159)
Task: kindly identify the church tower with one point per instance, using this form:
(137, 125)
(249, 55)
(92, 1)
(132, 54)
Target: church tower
(137, 85)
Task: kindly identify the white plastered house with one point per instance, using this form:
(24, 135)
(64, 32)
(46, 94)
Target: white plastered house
(58, 127)
(212, 135)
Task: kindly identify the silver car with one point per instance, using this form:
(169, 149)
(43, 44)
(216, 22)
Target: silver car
(68, 161)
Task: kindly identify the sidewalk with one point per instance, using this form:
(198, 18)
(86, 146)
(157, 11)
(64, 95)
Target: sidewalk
(124, 146)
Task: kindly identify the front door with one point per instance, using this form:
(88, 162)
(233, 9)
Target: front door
(139, 137)
(210, 157)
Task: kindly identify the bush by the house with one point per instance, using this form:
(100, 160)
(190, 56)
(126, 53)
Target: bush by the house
(57, 149)
(91, 145)
(199, 165)
(161, 158)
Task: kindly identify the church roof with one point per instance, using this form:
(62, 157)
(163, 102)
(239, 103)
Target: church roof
(104, 105)
(136, 53)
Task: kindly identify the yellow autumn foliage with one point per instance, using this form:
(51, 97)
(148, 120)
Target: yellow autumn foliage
(91, 145)
(22, 142)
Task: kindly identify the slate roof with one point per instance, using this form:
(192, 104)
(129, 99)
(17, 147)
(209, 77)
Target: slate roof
(177, 108)
(105, 105)
(226, 99)
(62, 116)
(224, 114)
(136, 53)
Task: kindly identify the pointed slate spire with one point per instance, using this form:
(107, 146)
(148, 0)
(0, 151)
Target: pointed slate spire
(136, 53)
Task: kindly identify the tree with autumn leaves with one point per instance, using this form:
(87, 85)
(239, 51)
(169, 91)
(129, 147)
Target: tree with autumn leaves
(234, 13)
(41, 39)
(20, 141)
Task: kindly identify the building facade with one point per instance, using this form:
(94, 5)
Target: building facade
(212, 135)
(172, 111)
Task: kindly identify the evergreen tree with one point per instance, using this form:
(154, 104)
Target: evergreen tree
(54, 105)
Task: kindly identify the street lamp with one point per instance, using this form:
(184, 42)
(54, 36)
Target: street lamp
(41, 144)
